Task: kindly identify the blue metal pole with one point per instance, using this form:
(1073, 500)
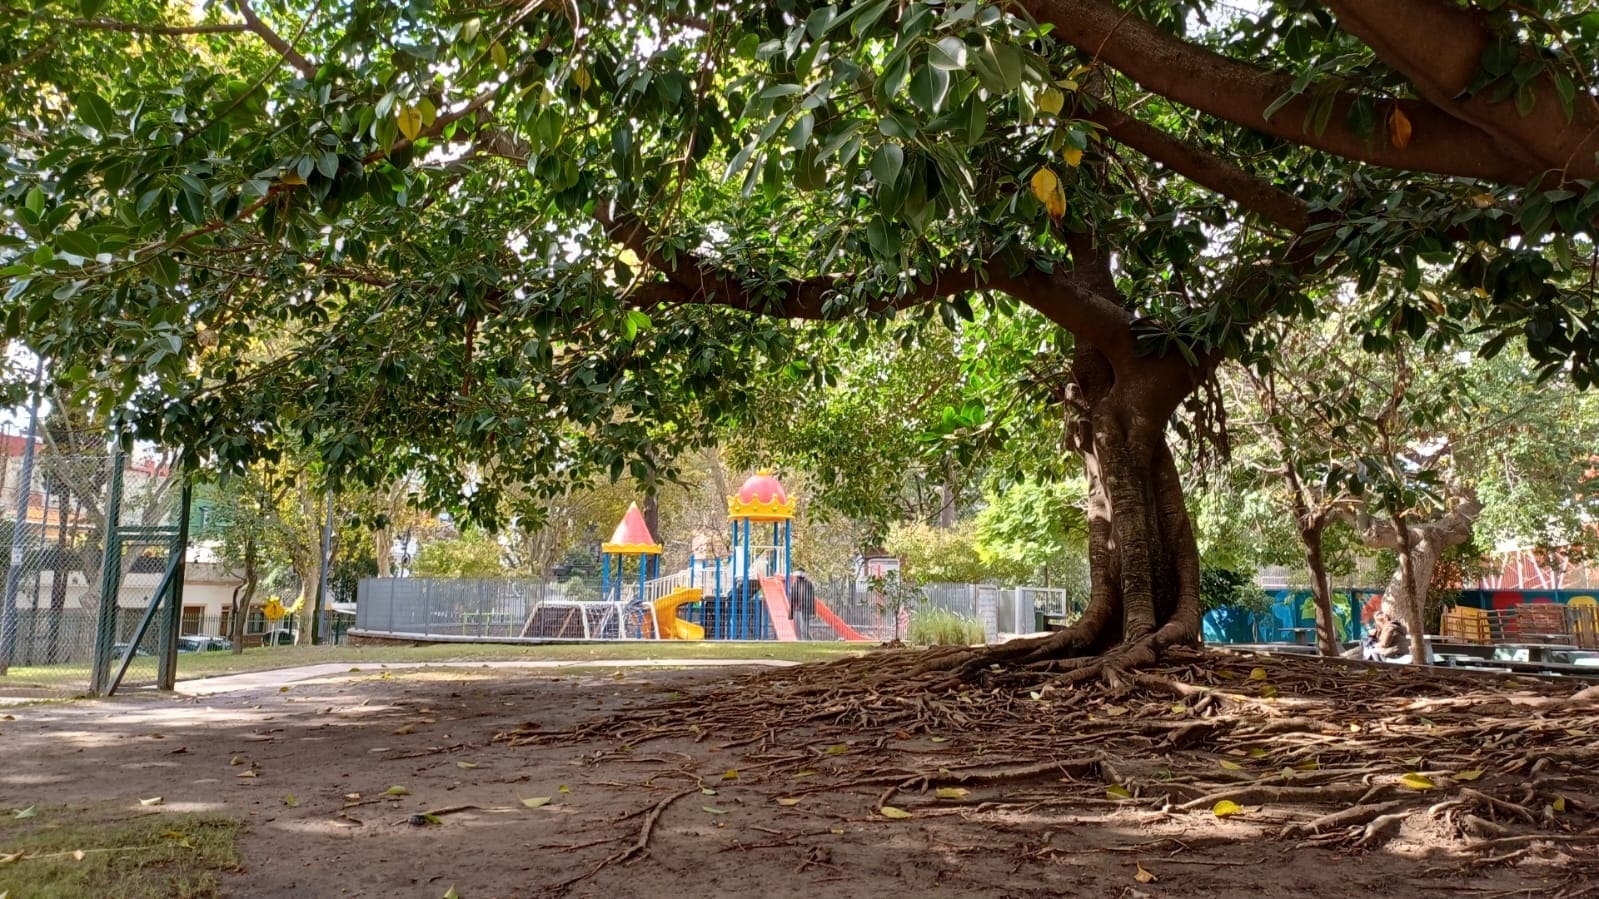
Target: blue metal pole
(721, 623)
(744, 610)
(643, 576)
(788, 556)
(605, 575)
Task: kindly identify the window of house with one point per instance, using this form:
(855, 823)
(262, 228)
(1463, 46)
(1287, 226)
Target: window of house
(193, 620)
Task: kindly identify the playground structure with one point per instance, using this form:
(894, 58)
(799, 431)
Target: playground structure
(742, 596)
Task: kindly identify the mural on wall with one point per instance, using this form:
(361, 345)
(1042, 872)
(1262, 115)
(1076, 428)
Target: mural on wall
(1509, 599)
(1292, 618)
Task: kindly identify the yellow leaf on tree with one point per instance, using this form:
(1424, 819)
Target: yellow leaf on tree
(1417, 781)
(1399, 128)
(1073, 156)
(582, 78)
(951, 792)
(1472, 774)
(409, 118)
(1226, 809)
(497, 53)
(1046, 187)
(1051, 101)
(1117, 791)
(888, 811)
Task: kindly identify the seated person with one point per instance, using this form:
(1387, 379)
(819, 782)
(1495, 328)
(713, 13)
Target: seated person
(1388, 641)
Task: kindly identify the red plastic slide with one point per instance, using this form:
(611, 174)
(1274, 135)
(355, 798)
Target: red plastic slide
(775, 592)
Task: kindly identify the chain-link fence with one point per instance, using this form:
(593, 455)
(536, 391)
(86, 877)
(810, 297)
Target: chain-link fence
(63, 593)
(490, 609)
(501, 609)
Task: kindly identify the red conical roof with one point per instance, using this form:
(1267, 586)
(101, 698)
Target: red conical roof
(762, 498)
(632, 535)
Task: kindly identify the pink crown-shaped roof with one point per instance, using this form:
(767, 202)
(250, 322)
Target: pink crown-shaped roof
(632, 535)
(762, 498)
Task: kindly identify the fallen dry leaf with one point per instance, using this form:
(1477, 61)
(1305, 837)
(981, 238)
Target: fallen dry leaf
(1417, 781)
(1226, 809)
(889, 811)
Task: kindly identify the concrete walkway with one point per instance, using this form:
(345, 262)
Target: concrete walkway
(279, 677)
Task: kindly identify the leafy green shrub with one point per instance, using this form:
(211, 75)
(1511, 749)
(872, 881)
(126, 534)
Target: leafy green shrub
(939, 627)
(1224, 588)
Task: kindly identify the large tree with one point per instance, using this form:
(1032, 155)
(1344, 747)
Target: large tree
(518, 243)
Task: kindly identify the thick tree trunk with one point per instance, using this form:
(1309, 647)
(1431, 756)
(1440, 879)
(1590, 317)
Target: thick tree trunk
(1320, 589)
(1143, 556)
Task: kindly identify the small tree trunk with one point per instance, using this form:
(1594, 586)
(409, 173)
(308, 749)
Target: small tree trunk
(1320, 589)
(946, 507)
(241, 607)
(383, 551)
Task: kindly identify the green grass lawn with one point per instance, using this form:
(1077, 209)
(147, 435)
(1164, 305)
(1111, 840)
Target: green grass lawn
(56, 852)
(211, 664)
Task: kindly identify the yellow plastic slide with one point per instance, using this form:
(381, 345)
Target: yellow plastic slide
(673, 627)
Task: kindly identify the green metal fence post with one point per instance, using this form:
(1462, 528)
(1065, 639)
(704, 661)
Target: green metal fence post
(167, 674)
(110, 575)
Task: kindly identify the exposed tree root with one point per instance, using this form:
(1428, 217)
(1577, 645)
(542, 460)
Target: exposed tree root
(1344, 751)
(639, 845)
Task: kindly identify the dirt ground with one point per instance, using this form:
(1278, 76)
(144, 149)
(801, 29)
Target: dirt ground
(401, 783)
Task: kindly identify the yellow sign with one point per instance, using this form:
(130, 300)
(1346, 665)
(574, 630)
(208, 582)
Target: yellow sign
(273, 610)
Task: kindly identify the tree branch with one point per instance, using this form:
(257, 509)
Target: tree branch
(1439, 47)
(1240, 92)
(1206, 169)
(1063, 297)
(274, 40)
(136, 27)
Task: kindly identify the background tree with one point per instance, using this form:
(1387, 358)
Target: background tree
(1415, 446)
(470, 554)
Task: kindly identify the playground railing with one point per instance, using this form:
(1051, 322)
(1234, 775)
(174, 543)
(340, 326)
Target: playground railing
(660, 587)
